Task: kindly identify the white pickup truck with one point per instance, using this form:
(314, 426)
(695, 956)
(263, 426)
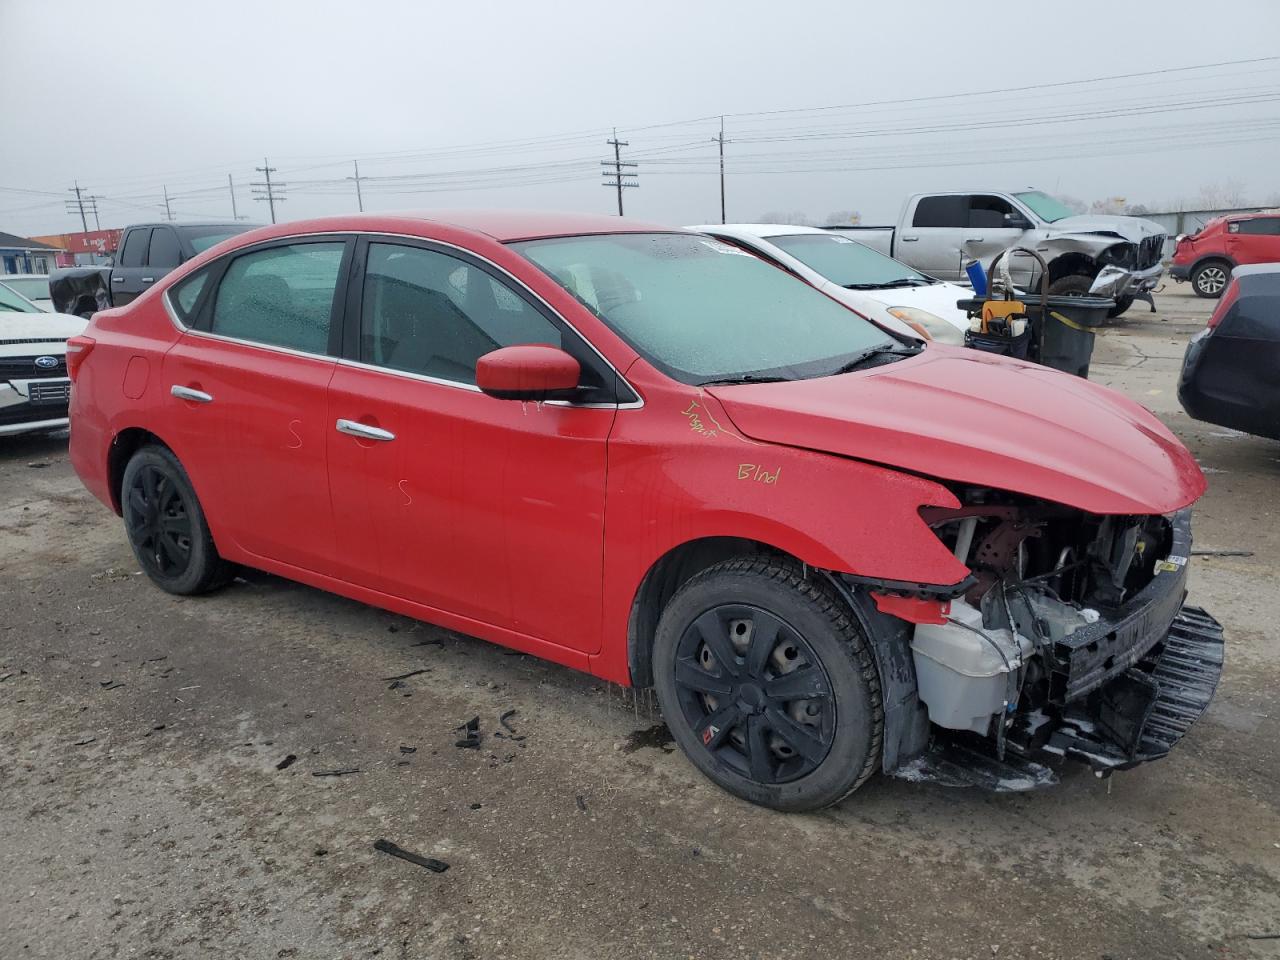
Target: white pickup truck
(937, 232)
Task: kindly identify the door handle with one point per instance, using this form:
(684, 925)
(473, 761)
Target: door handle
(148, 279)
(117, 279)
(187, 393)
(353, 428)
(910, 239)
(972, 239)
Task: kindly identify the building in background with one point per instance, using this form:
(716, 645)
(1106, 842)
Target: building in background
(83, 248)
(21, 255)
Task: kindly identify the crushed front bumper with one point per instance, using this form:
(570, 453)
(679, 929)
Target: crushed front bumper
(1122, 691)
(36, 404)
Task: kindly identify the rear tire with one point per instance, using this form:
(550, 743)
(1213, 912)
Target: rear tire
(768, 684)
(1210, 278)
(166, 525)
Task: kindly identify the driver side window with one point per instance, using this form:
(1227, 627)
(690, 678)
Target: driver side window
(988, 211)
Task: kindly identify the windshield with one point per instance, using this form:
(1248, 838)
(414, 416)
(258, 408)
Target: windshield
(1044, 206)
(846, 261)
(13, 301)
(202, 238)
(702, 310)
(33, 288)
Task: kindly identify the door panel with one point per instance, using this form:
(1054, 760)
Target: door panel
(490, 509)
(256, 450)
(986, 235)
(130, 268)
(931, 242)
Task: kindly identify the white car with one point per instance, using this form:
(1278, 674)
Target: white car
(34, 388)
(31, 286)
(879, 287)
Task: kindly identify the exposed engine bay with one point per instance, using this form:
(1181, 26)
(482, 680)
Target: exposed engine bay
(1069, 638)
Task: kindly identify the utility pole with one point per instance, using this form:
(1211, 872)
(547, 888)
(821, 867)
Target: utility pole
(266, 190)
(720, 139)
(168, 214)
(619, 171)
(356, 178)
(80, 204)
(232, 187)
(93, 208)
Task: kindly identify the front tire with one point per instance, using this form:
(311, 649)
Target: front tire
(768, 684)
(1209, 279)
(166, 525)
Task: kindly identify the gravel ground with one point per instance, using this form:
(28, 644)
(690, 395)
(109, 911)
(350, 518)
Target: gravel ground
(159, 796)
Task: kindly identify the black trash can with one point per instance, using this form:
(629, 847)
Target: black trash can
(1066, 338)
(1062, 337)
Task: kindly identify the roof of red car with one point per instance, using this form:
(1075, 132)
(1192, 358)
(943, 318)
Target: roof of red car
(504, 225)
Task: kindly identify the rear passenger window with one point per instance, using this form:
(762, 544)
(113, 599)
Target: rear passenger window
(134, 250)
(282, 296)
(165, 252)
(942, 212)
(186, 293)
(1263, 226)
(432, 314)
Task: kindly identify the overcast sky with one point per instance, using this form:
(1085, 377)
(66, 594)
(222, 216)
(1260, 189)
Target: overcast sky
(509, 104)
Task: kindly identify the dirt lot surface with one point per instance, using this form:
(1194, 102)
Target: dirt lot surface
(148, 809)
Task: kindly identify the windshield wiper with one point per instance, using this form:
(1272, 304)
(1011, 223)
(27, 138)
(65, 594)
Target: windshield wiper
(741, 378)
(894, 350)
(900, 282)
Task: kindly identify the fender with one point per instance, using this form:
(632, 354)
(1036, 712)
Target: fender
(689, 475)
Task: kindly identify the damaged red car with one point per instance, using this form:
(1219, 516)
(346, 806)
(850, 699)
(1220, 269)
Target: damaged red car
(646, 454)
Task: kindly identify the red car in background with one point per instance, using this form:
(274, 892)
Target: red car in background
(1207, 257)
(647, 454)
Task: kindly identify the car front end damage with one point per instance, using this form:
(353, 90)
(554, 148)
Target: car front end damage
(1070, 639)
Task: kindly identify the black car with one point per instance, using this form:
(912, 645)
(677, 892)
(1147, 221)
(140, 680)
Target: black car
(1231, 371)
(147, 252)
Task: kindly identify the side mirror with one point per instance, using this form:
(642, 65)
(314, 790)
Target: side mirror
(528, 372)
(1016, 221)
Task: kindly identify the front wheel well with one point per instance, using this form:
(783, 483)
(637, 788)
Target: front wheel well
(672, 571)
(125, 444)
(1072, 264)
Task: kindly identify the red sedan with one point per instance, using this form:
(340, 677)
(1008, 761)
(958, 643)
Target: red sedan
(646, 454)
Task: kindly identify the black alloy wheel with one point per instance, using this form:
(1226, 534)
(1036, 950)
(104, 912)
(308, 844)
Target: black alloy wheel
(767, 681)
(755, 693)
(158, 523)
(166, 525)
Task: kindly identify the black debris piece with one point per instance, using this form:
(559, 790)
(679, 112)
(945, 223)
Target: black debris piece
(340, 772)
(321, 852)
(581, 801)
(471, 735)
(156, 659)
(406, 676)
(430, 642)
(85, 742)
(476, 806)
(502, 719)
(38, 464)
(158, 726)
(109, 684)
(1263, 936)
(396, 685)
(5, 676)
(658, 736)
(404, 749)
(287, 762)
(431, 863)
(1222, 553)
(402, 763)
(392, 628)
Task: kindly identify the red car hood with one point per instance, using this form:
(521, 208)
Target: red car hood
(970, 417)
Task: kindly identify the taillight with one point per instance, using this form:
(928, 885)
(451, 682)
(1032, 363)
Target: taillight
(1229, 297)
(77, 349)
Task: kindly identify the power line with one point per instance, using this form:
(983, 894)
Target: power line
(620, 173)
